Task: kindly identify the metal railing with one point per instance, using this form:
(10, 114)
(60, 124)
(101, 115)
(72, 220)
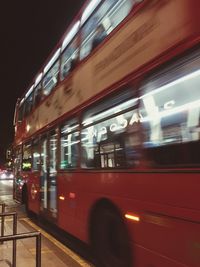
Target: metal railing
(14, 237)
(14, 215)
(3, 208)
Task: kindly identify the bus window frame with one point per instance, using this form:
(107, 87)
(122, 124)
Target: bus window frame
(37, 140)
(28, 142)
(77, 130)
(57, 77)
(20, 115)
(109, 34)
(161, 72)
(133, 88)
(75, 39)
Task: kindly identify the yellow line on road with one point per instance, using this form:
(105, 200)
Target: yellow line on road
(66, 250)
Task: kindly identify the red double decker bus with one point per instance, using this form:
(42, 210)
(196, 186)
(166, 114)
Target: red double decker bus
(107, 136)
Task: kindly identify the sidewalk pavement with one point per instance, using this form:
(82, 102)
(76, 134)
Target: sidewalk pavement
(53, 253)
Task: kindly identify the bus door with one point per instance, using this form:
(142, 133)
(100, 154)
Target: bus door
(48, 183)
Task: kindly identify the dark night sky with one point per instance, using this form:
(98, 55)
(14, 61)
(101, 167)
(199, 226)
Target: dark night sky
(29, 32)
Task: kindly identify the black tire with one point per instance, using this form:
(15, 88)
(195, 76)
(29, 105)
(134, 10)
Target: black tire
(110, 241)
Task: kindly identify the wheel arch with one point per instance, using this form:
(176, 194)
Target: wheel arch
(100, 208)
(102, 203)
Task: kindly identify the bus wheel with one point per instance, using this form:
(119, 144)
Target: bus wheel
(109, 238)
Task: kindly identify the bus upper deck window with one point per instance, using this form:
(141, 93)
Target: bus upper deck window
(70, 58)
(99, 36)
(51, 71)
(38, 94)
(51, 79)
(21, 113)
(106, 17)
(28, 105)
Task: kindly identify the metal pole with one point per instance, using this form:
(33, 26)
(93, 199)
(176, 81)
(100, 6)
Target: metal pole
(27, 235)
(38, 250)
(14, 259)
(2, 220)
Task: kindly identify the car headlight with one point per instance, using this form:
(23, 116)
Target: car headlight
(3, 175)
(11, 176)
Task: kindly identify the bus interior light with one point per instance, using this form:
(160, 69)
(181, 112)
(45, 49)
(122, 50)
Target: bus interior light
(89, 9)
(29, 91)
(22, 101)
(110, 111)
(52, 60)
(178, 81)
(38, 79)
(71, 34)
(176, 110)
